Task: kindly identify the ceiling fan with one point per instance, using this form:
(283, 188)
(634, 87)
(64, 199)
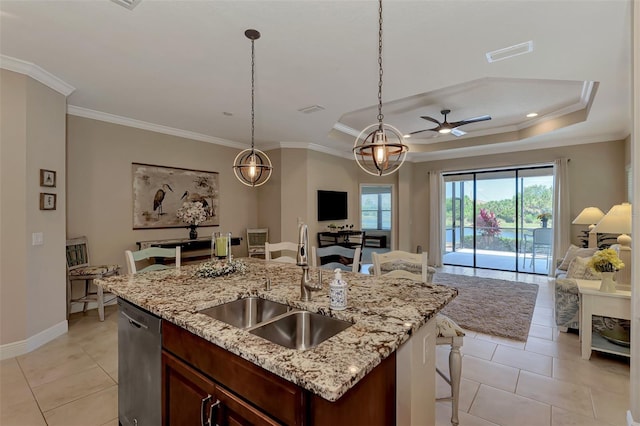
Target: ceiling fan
(446, 127)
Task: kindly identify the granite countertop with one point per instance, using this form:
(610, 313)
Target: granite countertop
(384, 313)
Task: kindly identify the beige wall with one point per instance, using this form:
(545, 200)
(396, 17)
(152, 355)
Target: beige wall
(99, 157)
(596, 178)
(32, 278)
(330, 173)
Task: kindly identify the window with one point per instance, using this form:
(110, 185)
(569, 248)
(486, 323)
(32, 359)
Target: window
(494, 216)
(375, 209)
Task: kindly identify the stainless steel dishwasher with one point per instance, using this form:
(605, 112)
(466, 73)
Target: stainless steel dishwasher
(139, 366)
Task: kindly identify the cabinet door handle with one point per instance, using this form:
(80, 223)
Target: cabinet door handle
(213, 413)
(203, 410)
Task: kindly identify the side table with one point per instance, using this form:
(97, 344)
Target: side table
(595, 302)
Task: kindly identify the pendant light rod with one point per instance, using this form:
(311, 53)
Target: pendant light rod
(380, 71)
(379, 149)
(252, 167)
(253, 35)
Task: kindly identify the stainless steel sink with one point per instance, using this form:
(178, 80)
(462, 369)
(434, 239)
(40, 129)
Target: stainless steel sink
(246, 313)
(300, 329)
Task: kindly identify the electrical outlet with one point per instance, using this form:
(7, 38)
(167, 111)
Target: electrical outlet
(37, 239)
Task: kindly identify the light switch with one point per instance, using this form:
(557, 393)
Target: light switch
(37, 239)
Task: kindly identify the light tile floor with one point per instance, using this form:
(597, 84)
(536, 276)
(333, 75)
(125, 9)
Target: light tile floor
(544, 381)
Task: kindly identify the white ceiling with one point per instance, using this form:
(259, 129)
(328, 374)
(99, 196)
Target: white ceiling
(183, 64)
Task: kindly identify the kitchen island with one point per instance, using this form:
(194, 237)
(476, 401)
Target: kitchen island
(383, 363)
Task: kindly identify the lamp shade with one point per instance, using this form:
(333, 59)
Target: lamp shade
(588, 216)
(616, 221)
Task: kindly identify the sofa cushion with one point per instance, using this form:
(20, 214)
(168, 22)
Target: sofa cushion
(579, 268)
(573, 252)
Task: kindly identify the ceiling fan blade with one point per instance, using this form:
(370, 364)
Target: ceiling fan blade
(425, 130)
(458, 132)
(470, 120)
(424, 117)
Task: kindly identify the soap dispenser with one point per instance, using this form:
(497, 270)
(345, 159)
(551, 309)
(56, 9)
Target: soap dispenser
(338, 292)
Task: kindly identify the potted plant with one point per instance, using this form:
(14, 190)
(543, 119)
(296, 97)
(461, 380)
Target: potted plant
(192, 213)
(544, 218)
(606, 262)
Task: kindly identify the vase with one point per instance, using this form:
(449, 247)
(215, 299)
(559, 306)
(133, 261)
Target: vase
(545, 222)
(193, 234)
(608, 285)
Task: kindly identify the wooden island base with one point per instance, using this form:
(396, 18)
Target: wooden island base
(201, 380)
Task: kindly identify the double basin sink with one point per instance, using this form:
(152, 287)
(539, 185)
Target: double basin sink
(277, 322)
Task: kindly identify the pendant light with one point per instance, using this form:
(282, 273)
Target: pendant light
(379, 149)
(252, 167)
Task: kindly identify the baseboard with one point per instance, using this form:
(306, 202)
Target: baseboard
(630, 421)
(14, 349)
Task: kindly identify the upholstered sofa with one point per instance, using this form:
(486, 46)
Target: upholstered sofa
(567, 301)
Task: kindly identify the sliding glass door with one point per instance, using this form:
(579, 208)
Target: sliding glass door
(492, 217)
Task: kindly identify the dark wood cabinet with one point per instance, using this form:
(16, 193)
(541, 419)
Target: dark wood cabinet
(245, 394)
(189, 398)
(187, 395)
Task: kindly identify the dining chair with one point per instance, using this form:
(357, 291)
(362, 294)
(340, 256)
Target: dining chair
(256, 238)
(414, 267)
(79, 268)
(332, 257)
(285, 246)
(403, 260)
(542, 242)
(155, 254)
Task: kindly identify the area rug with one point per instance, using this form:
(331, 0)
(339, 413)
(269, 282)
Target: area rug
(497, 307)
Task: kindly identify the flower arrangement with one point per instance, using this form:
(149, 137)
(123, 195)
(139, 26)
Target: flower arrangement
(192, 213)
(605, 260)
(219, 268)
(544, 216)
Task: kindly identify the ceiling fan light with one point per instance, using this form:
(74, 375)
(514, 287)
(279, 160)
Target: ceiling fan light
(444, 130)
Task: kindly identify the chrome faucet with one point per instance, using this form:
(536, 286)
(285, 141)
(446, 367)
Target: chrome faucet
(306, 284)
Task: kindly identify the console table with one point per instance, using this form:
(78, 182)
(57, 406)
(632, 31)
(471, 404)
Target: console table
(351, 239)
(595, 302)
(197, 249)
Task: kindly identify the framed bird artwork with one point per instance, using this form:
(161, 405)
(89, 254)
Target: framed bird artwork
(159, 191)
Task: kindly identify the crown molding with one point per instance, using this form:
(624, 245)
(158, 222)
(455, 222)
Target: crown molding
(513, 146)
(37, 73)
(158, 128)
(316, 147)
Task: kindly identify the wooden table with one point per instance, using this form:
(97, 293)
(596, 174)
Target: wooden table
(197, 249)
(595, 302)
(345, 238)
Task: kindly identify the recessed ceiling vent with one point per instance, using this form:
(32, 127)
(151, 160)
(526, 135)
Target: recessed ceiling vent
(510, 52)
(129, 4)
(311, 109)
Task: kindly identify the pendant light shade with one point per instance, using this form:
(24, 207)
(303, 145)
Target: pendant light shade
(252, 167)
(379, 149)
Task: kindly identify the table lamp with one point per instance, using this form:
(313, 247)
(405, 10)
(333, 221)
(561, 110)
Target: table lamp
(618, 221)
(590, 216)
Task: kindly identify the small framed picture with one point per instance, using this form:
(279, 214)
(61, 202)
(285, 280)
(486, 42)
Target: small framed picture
(47, 201)
(47, 178)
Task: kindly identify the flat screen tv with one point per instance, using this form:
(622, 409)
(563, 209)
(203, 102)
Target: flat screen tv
(332, 205)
